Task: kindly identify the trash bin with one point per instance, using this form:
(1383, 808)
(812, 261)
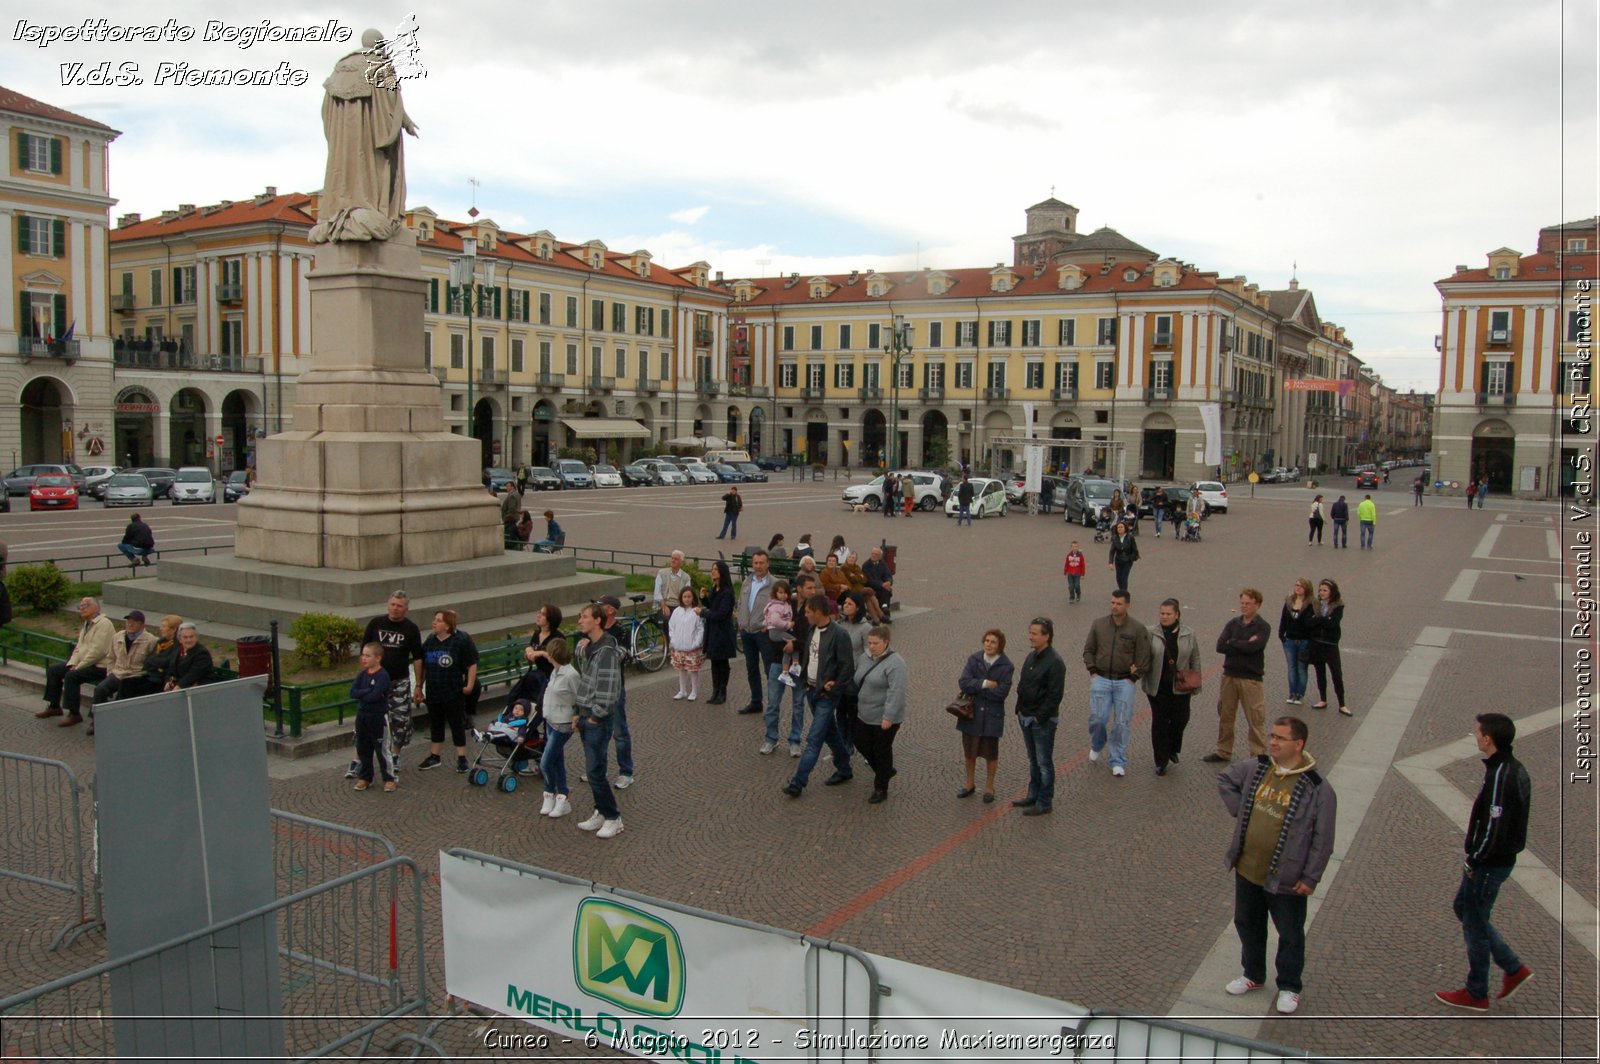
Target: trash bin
(255, 655)
(889, 552)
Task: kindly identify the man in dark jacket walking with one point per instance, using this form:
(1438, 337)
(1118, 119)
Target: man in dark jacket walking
(1340, 514)
(827, 664)
(1039, 689)
(1496, 833)
(964, 501)
(1243, 646)
(731, 505)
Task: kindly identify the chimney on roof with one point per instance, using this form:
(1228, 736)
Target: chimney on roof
(1294, 284)
(128, 219)
(719, 276)
(794, 279)
(272, 192)
(167, 216)
(855, 275)
(185, 208)
(1460, 268)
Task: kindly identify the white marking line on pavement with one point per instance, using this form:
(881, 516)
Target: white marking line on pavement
(1552, 545)
(1461, 591)
(1561, 591)
(1485, 549)
(1565, 905)
(1356, 778)
(1401, 510)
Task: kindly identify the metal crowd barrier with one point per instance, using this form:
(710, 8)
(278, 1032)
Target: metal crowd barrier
(342, 958)
(42, 841)
(1109, 1034)
(308, 852)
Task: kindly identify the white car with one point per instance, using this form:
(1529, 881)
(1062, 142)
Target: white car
(95, 477)
(988, 498)
(667, 473)
(926, 485)
(1213, 494)
(128, 489)
(607, 477)
(194, 484)
(700, 473)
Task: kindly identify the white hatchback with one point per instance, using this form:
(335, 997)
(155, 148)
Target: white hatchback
(1213, 494)
(988, 498)
(194, 484)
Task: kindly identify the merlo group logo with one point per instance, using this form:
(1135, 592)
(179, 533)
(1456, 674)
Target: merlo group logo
(627, 957)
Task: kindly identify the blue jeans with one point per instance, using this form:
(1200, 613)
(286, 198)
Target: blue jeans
(1294, 652)
(1481, 495)
(1341, 534)
(1156, 515)
(824, 729)
(133, 553)
(774, 710)
(553, 765)
(1040, 741)
(596, 737)
(1111, 716)
(619, 728)
(1368, 530)
(1251, 907)
(730, 526)
(963, 513)
(1123, 570)
(1473, 905)
(1074, 587)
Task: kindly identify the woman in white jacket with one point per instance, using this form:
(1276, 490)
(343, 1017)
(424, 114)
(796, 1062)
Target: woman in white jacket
(560, 697)
(686, 634)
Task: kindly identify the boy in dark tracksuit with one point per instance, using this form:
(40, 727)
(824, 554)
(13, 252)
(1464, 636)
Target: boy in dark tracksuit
(371, 693)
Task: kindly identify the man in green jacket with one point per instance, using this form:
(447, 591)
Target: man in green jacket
(1367, 514)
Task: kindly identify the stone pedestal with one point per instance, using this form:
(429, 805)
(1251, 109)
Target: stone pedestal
(368, 478)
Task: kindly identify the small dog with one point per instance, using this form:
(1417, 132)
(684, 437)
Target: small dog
(859, 507)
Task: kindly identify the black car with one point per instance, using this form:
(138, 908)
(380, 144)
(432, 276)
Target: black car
(499, 479)
(726, 473)
(237, 486)
(161, 480)
(637, 474)
(773, 462)
(752, 472)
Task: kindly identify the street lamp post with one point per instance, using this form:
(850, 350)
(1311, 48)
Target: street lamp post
(464, 275)
(897, 349)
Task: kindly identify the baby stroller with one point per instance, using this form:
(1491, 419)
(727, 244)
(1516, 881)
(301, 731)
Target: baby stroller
(1191, 528)
(1102, 525)
(513, 743)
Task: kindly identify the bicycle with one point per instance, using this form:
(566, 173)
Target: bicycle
(645, 642)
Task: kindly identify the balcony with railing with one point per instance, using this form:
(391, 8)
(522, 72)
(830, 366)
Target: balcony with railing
(230, 293)
(122, 301)
(996, 395)
(758, 392)
(1065, 394)
(817, 392)
(708, 388)
(646, 386)
(1158, 395)
(494, 378)
(702, 338)
(172, 356)
(442, 372)
(550, 381)
(932, 394)
(602, 384)
(1490, 400)
(66, 350)
(870, 391)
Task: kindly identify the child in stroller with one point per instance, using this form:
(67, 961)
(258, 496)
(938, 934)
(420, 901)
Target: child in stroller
(1102, 525)
(1190, 532)
(512, 744)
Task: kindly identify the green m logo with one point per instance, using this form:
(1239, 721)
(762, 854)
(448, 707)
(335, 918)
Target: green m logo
(628, 958)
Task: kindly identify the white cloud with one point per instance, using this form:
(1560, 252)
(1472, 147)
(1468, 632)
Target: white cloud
(689, 215)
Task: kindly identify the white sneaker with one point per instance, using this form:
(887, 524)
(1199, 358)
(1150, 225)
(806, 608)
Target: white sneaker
(795, 749)
(549, 803)
(1288, 1001)
(1242, 985)
(593, 823)
(679, 696)
(561, 807)
(767, 748)
(623, 783)
(794, 670)
(1118, 770)
(694, 698)
(786, 680)
(614, 827)
(1094, 755)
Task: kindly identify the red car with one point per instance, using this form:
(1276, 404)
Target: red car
(53, 492)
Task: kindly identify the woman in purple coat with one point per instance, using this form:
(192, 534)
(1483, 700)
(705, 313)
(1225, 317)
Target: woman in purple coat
(987, 678)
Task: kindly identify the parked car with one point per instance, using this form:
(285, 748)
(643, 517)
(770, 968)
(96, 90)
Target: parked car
(128, 489)
(773, 462)
(573, 473)
(669, 473)
(1085, 498)
(21, 479)
(1213, 493)
(928, 489)
(193, 484)
(95, 477)
(637, 474)
(499, 478)
(700, 473)
(607, 476)
(160, 477)
(237, 486)
(1148, 491)
(53, 491)
(543, 478)
(988, 499)
(1367, 478)
(726, 473)
(752, 472)
(1016, 490)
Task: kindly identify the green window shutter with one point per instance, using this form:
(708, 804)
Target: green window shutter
(22, 150)
(58, 238)
(527, 297)
(22, 232)
(177, 284)
(24, 315)
(433, 294)
(497, 302)
(59, 313)
(55, 155)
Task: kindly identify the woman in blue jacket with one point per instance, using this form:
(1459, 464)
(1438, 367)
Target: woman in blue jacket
(987, 678)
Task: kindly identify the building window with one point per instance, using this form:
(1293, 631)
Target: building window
(544, 308)
(427, 351)
(622, 363)
(1573, 379)
(1502, 273)
(964, 373)
(966, 334)
(936, 334)
(619, 317)
(1577, 326)
(39, 155)
(1577, 243)
(45, 237)
(597, 314)
(874, 336)
(1033, 375)
(904, 374)
(233, 337)
(155, 288)
(544, 357)
(788, 337)
(933, 374)
(1163, 330)
(1161, 375)
(1106, 332)
(869, 375)
(1069, 332)
(844, 375)
(786, 375)
(458, 351)
(816, 338)
(666, 324)
(572, 360)
(572, 312)
(486, 355)
(999, 333)
(1496, 378)
(814, 377)
(844, 337)
(1030, 333)
(516, 355)
(1105, 373)
(183, 284)
(997, 374)
(1066, 374)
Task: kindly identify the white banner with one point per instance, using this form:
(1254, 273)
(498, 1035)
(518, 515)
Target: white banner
(622, 975)
(1211, 418)
(1027, 418)
(1035, 468)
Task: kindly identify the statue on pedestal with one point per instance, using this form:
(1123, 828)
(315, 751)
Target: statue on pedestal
(364, 190)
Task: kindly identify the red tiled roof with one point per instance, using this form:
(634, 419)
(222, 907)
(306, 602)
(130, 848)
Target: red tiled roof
(13, 101)
(287, 208)
(1544, 266)
(967, 283)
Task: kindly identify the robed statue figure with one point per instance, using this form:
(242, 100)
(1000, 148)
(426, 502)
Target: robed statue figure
(364, 191)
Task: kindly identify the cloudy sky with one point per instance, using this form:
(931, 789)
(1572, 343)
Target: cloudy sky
(1370, 146)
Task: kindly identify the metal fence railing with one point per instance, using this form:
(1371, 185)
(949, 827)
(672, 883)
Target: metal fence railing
(348, 968)
(307, 852)
(42, 808)
(85, 566)
(1112, 1035)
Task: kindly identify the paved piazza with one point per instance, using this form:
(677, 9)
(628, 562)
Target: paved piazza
(1120, 900)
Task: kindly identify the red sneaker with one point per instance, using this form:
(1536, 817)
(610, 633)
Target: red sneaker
(1463, 1000)
(1514, 980)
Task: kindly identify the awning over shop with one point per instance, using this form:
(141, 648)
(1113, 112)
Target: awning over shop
(606, 428)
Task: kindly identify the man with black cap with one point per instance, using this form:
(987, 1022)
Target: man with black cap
(619, 716)
(128, 651)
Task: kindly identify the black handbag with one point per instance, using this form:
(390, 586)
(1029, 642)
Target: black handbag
(961, 706)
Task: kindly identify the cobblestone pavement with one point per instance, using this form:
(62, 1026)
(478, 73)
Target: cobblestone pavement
(1119, 900)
